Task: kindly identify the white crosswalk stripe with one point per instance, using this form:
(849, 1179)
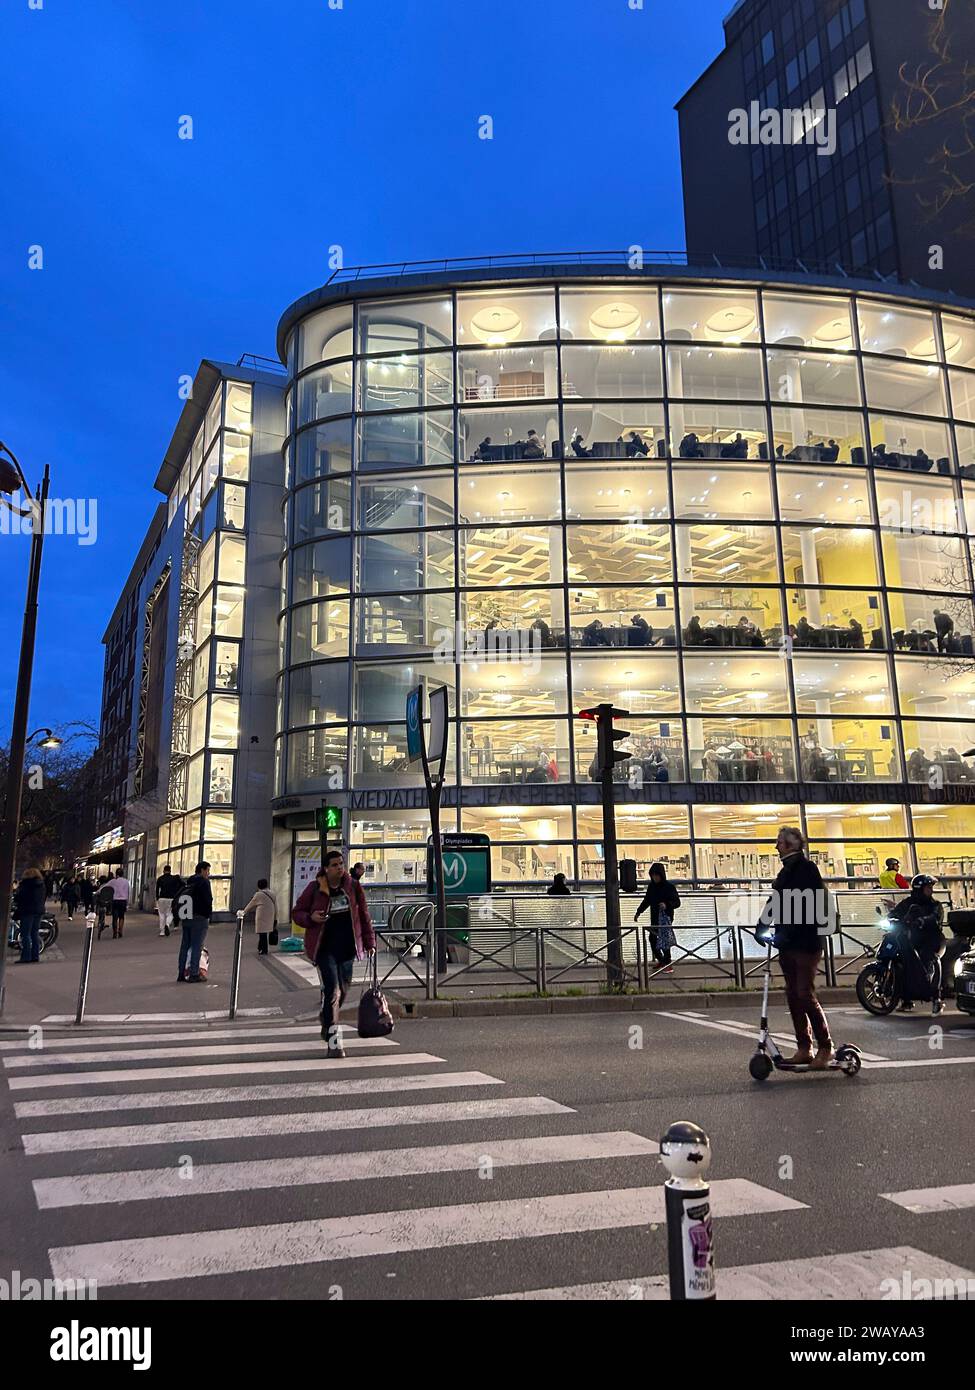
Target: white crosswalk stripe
(147, 1184)
(149, 1054)
(48, 1080)
(960, 1197)
(155, 1259)
(234, 1095)
(862, 1275)
(299, 1122)
(124, 1040)
(142, 1226)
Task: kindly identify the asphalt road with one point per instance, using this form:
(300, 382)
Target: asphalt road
(482, 1157)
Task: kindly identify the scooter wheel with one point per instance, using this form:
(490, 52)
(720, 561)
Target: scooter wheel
(849, 1060)
(759, 1067)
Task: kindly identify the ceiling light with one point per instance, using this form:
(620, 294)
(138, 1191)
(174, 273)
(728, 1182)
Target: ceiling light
(496, 325)
(615, 322)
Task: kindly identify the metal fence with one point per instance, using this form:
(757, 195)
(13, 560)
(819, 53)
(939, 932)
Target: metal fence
(546, 944)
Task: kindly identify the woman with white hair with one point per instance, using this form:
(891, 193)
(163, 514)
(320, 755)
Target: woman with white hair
(800, 911)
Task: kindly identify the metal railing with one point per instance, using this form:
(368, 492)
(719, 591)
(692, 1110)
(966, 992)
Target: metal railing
(503, 941)
(618, 260)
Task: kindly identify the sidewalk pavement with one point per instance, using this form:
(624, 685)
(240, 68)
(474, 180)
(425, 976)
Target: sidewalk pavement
(136, 975)
(133, 981)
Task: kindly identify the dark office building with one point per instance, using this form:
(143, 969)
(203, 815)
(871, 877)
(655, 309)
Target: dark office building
(878, 176)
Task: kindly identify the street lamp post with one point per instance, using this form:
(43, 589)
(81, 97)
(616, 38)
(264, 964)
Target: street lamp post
(11, 480)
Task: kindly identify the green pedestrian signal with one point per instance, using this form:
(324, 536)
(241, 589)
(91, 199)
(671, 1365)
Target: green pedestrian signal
(328, 818)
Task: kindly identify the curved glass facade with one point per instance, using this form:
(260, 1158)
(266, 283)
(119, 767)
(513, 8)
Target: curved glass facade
(742, 513)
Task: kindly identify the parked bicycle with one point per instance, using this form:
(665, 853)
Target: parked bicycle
(48, 933)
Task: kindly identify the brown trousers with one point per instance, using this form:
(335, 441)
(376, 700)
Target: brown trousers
(808, 1019)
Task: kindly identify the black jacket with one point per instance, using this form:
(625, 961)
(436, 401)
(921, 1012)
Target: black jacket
(798, 907)
(659, 895)
(30, 897)
(195, 900)
(168, 885)
(924, 918)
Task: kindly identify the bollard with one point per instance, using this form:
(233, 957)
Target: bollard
(235, 974)
(686, 1153)
(90, 921)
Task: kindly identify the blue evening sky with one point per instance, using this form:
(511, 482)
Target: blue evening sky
(312, 127)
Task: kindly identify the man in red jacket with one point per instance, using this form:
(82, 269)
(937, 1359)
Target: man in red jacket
(338, 931)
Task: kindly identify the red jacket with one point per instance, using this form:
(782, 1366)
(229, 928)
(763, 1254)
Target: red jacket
(314, 900)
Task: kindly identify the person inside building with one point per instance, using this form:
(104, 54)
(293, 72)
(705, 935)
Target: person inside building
(690, 447)
(558, 888)
(533, 447)
(483, 449)
(544, 632)
(944, 626)
(635, 446)
(855, 639)
(578, 445)
(358, 871)
(594, 634)
(640, 631)
(831, 451)
(892, 876)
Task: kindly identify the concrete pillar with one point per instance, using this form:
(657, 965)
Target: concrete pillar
(810, 575)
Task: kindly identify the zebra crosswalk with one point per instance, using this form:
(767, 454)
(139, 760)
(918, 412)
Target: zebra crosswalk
(146, 1175)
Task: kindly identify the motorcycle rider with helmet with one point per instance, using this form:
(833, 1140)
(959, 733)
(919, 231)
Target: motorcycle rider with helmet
(922, 917)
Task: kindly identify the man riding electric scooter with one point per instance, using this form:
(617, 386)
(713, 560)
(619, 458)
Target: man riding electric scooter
(922, 920)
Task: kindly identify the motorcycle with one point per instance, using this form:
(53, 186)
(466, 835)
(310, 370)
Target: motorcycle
(880, 986)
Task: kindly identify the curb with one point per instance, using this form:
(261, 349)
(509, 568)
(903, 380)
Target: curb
(598, 1003)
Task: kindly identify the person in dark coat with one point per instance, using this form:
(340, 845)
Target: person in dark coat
(558, 888)
(923, 918)
(661, 895)
(29, 900)
(944, 626)
(193, 908)
(87, 894)
(334, 916)
(104, 899)
(70, 895)
(799, 910)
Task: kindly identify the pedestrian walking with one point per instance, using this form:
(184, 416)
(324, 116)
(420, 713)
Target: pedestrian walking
(663, 900)
(799, 910)
(194, 908)
(358, 871)
(29, 900)
(104, 898)
(168, 886)
(70, 895)
(265, 909)
(87, 894)
(334, 915)
(558, 888)
(120, 901)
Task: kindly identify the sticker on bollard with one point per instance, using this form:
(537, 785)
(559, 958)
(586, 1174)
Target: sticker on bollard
(685, 1151)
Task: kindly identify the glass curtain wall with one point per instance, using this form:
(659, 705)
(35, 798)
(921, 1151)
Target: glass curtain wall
(217, 472)
(737, 513)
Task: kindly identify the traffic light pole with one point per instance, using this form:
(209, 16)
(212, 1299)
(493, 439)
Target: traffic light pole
(607, 756)
(614, 940)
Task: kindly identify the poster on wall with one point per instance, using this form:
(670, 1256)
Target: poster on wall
(307, 860)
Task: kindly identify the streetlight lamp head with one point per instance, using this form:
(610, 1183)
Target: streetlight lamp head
(9, 477)
(52, 741)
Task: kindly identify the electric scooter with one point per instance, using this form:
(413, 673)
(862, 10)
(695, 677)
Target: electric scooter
(847, 1058)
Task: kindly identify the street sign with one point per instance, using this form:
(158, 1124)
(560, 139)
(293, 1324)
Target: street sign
(466, 865)
(414, 724)
(437, 742)
(328, 818)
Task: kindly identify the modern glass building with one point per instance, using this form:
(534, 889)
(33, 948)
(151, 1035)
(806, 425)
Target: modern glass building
(739, 507)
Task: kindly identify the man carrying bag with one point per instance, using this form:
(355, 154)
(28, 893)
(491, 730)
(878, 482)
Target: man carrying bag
(338, 931)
